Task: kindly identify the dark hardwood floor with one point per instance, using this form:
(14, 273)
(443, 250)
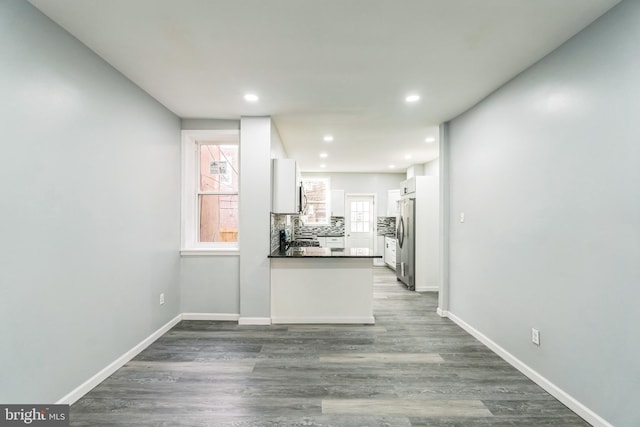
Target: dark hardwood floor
(412, 368)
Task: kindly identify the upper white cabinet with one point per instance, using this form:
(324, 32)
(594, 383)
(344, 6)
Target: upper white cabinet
(285, 186)
(337, 202)
(393, 196)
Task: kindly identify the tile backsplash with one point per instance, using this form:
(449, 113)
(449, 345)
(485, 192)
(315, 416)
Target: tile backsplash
(278, 222)
(335, 228)
(387, 226)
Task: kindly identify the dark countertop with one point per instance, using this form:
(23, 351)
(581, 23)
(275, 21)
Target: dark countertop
(315, 252)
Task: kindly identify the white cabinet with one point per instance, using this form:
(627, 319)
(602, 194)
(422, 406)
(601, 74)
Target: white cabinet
(390, 252)
(335, 242)
(337, 203)
(285, 186)
(393, 196)
(331, 242)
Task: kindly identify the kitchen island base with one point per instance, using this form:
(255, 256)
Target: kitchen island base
(322, 290)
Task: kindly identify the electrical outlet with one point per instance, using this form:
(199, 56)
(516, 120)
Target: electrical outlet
(461, 216)
(161, 298)
(535, 336)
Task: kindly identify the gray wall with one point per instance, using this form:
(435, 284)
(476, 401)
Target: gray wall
(210, 284)
(90, 185)
(546, 171)
(255, 211)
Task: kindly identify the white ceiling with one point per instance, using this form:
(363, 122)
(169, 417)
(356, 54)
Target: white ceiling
(340, 67)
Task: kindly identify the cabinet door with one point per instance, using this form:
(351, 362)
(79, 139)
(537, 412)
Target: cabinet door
(335, 242)
(390, 252)
(284, 186)
(393, 196)
(337, 203)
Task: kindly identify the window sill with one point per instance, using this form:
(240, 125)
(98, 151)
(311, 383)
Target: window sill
(209, 252)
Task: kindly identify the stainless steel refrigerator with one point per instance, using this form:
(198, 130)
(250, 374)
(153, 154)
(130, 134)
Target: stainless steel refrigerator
(406, 241)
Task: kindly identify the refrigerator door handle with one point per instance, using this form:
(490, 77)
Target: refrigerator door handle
(400, 232)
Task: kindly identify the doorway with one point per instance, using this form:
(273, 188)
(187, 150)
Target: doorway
(360, 222)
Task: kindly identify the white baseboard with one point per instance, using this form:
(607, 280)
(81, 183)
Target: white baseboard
(591, 417)
(88, 385)
(254, 321)
(210, 316)
(368, 320)
(427, 289)
(442, 313)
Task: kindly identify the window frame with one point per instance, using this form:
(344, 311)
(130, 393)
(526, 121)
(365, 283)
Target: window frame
(327, 200)
(192, 140)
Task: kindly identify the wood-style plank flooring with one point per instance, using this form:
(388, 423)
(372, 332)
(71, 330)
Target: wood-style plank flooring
(412, 368)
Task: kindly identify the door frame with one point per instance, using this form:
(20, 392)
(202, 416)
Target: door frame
(347, 211)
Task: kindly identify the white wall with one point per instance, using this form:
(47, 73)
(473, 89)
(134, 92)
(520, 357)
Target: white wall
(546, 171)
(277, 149)
(209, 124)
(90, 184)
(432, 168)
(370, 183)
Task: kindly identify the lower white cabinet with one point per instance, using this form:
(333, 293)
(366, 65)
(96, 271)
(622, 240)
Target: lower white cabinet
(390, 252)
(331, 242)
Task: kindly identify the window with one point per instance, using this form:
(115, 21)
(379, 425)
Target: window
(210, 191)
(318, 205)
(218, 192)
(360, 217)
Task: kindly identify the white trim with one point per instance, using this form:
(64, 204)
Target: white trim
(369, 320)
(427, 289)
(103, 374)
(442, 313)
(209, 252)
(189, 199)
(210, 316)
(564, 397)
(254, 321)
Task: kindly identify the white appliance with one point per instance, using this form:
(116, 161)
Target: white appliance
(418, 234)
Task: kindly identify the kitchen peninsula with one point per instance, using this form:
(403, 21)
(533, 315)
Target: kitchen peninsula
(322, 285)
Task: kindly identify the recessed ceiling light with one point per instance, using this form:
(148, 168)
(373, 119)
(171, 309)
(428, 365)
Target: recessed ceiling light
(392, 166)
(324, 155)
(412, 98)
(328, 138)
(323, 166)
(251, 97)
(430, 139)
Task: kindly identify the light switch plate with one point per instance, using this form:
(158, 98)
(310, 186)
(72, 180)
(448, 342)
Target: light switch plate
(535, 336)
